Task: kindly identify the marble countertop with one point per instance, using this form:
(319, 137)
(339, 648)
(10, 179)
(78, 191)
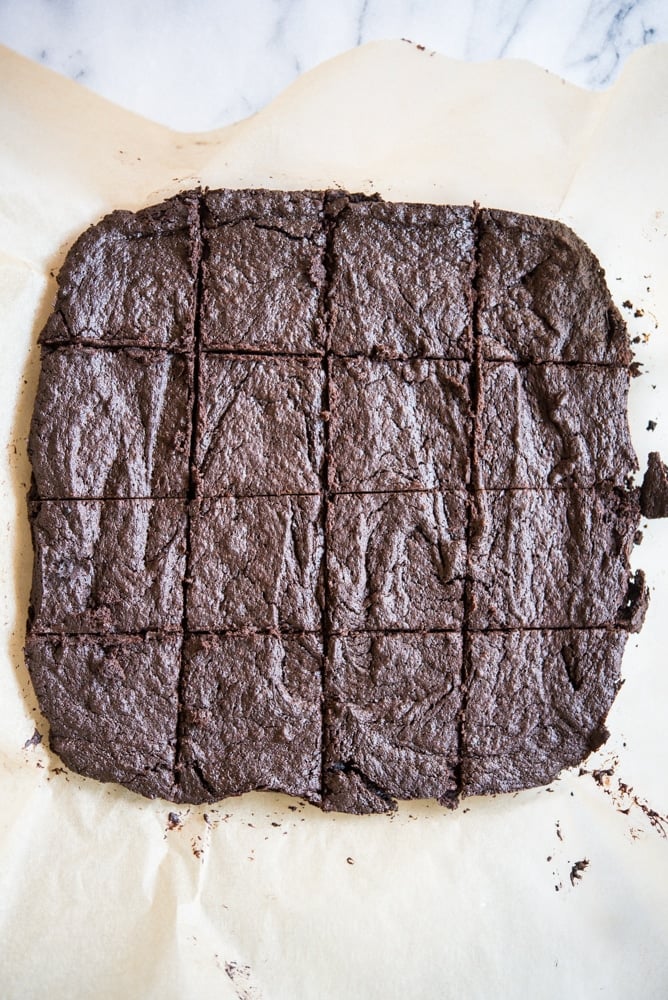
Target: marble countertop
(201, 64)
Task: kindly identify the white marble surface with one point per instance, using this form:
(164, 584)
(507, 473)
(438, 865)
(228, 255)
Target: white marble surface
(199, 64)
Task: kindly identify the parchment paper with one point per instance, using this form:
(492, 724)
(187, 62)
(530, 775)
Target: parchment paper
(99, 896)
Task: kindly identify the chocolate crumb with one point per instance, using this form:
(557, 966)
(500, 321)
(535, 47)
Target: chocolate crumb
(578, 868)
(173, 821)
(651, 425)
(34, 740)
(654, 491)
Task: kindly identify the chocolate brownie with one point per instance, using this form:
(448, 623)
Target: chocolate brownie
(402, 281)
(550, 558)
(330, 497)
(391, 722)
(251, 716)
(108, 566)
(130, 280)
(111, 424)
(112, 704)
(263, 271)
(654, 491)
(542, 296)
(536, 702)
(258, 564)
(548, 425)
(396, 561)
(398, 425)
(260, 426)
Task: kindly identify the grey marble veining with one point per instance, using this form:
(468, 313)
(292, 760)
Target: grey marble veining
(199, 64)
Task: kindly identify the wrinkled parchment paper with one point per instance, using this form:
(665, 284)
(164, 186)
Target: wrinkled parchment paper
(102, 894)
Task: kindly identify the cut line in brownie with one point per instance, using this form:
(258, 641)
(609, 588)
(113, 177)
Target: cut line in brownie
(256, 564)
(260, 426)
(391, 720)
(536, 702)
(398, 425)
(396, 560)
(112, 705)
(130, 280)
(111, 424)
(402, 281)
(251, 716)
(263, 271)
(547, 425)
(108, 565)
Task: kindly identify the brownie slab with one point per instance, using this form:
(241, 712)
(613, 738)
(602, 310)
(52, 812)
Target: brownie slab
(401, 284)
(546, 425)
(551, 558)
(542, 294)
(391, 720)
(112, 705)
(111, 424)
(536, 702)
(131, 280)
(396, 561)
(108, 566)
(256, 564)
(260, 426)
(399, 425)
(252, 716)
(263, 271)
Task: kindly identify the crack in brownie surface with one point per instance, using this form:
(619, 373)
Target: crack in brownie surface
(340, 511)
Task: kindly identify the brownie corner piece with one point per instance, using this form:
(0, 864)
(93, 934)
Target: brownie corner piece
(260, 425)
(537, 702)
(252, 716)
(392, 720)
(112, 705)
(402, 280)
(263, 271)
(131, 280)
(542, 294)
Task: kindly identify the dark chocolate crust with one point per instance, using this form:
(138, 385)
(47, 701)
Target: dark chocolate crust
(330, 497)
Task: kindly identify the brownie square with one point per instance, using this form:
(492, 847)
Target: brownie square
(542, 294)
(112, 705)
(399, 425)
(401, 282)
(536, 703)
(260, 426)
(263, 271)
(111, 424)
(548, 559)
(252, 716)
(256, 564)
(546, 425)
(108, 566)
(392, 720)
(396, 560)
(131, 280)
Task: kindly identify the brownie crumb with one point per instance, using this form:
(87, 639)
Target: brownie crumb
(578, 868)
(654, 491)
